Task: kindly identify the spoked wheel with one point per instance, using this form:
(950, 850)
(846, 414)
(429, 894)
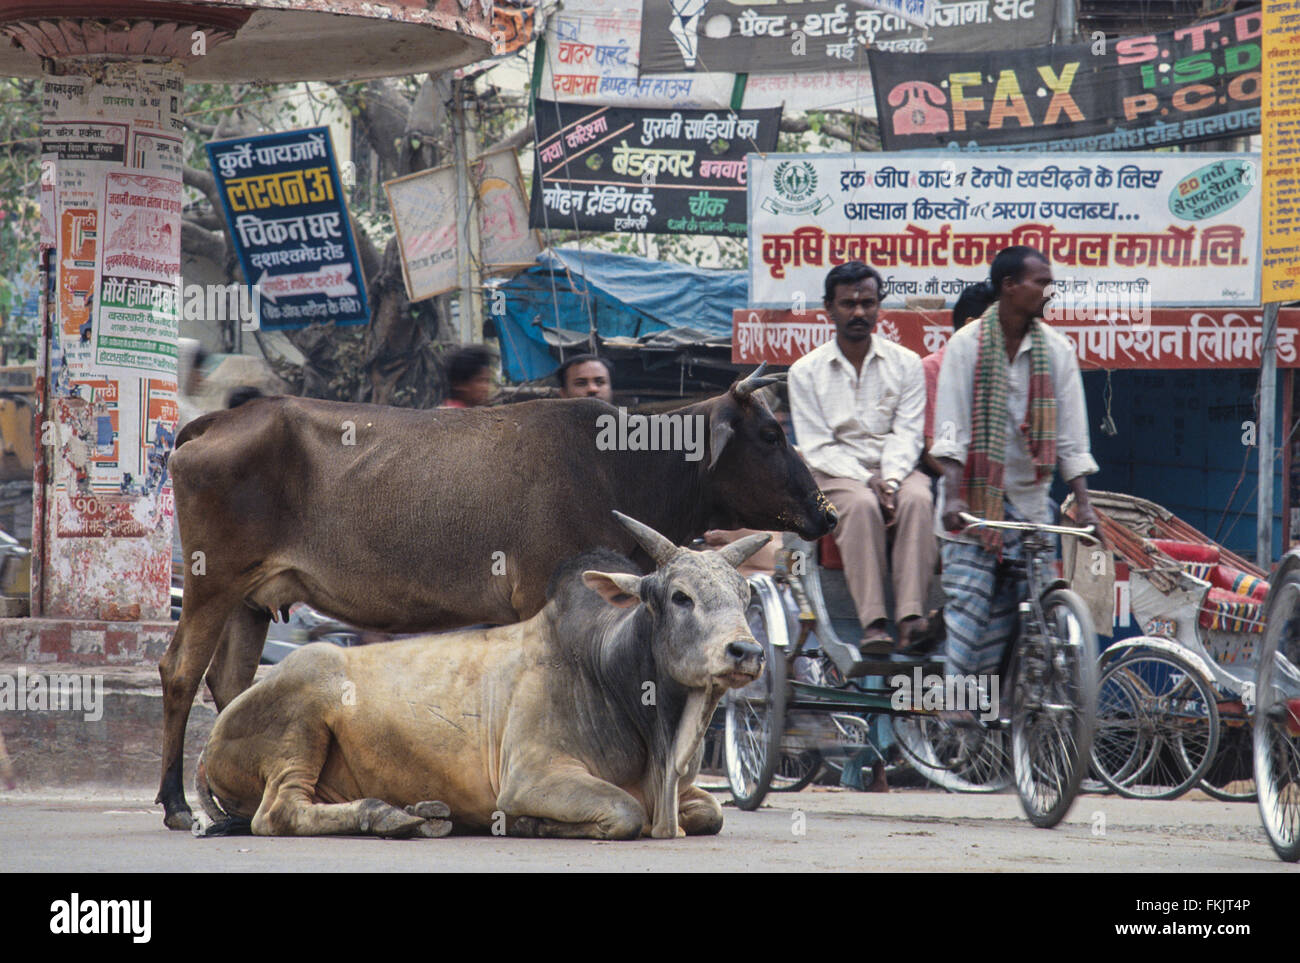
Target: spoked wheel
(1118, 750)
(1277, 720)
(1053, 706)
(795, 770)
(956, 758)
(1231, 776)
(755, 715)
(1158, 725)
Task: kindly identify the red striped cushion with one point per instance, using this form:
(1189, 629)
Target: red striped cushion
(1187, 551)
(1239, 582)
(1229, 612)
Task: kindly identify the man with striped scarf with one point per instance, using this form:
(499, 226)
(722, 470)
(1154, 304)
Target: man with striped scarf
(1009, 410)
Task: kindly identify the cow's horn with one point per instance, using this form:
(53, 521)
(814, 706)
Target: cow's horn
(743, 389)
(659, 548)
(742, 548)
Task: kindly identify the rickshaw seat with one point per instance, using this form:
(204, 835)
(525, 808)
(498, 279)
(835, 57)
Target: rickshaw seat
(1229, 612)
(1188, 551)
(1241, 583)
(1235, 600)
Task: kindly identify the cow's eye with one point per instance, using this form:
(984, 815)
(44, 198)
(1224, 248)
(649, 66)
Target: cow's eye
(771, 437)
(682, 599)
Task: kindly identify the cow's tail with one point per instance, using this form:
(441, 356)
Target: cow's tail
(223, 824)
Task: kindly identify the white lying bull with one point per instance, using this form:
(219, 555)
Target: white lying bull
(584, 721)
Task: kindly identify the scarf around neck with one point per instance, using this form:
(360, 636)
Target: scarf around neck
(983, 483)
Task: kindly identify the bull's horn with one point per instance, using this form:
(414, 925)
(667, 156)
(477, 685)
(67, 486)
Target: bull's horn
(743, 389)
(742, 548)
(659, 548)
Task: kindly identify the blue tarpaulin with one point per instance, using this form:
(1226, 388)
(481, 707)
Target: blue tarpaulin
(624, 296)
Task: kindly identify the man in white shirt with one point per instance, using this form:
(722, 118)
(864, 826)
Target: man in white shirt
(1009, 410)
(858, 406)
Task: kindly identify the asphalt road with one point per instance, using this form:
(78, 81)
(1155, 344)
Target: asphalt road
(817, 829)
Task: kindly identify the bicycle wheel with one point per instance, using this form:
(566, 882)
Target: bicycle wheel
(1173, 718)
(794, 771)
(1277, 720)
(1231, 776)
(755, 717)
(1053, 706)
(956, 758)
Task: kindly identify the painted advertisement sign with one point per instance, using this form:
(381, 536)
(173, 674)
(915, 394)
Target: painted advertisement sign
(1162, 229)
(285, 207)
(1167, 338)
(424, 213)
(1138, 93)
(742, 36)
(657, 171)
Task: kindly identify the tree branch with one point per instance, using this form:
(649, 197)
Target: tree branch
(200, 243)
(204, 183)
(868, 131)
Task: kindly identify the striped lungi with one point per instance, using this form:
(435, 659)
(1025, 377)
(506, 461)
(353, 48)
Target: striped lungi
(982, 611)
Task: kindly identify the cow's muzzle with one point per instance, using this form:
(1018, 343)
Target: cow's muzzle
(745, 661)
(821, 518)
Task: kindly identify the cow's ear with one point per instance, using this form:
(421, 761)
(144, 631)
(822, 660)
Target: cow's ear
(720, 432)
(617, 588)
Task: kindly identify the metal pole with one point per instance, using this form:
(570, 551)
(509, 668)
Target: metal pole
(1067, 21)
(474, 243)
(467, 239)
(1267, 404)
(462, 209)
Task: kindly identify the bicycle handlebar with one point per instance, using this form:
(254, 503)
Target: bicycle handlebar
(1084, 534)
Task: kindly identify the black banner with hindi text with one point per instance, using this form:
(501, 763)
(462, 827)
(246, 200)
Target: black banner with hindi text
(646, 171)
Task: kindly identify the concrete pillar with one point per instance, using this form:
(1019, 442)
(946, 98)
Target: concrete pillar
(111, 142)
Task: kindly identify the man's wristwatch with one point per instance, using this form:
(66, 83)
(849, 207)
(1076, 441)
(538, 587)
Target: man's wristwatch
(892, 485)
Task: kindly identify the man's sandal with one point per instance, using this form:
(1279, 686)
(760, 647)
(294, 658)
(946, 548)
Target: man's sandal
(913, 634)
(876, 641)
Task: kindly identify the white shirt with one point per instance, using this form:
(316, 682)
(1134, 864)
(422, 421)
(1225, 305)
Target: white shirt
(851, 425)
(952, 418)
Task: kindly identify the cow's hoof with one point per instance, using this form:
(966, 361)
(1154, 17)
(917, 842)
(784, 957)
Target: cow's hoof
(528, 826)
(230, 826)
(430, 810)
(179, 819)
(435, 828)
(381, 819)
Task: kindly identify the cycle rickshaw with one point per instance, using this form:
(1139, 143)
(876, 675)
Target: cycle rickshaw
(1174, 704)
(777, 727)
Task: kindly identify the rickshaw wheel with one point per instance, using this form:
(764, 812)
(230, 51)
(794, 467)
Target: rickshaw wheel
(755, 714)
(1118, 747)
(1169, 712)
(1277, 696)
(1053, 706)
(956, 758)
(796, 770)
